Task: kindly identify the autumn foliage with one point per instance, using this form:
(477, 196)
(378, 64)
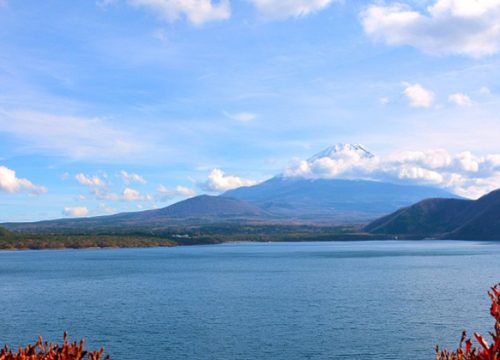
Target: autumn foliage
(45, 351)
(486, 350)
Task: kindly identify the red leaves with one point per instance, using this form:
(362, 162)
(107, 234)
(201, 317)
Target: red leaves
(468, 346)
(44, 351)
(481, 340)
(496, 291)
(487, 352)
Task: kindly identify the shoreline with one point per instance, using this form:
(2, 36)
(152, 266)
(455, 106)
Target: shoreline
(12, 250)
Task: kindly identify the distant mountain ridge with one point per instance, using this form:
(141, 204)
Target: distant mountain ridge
(285, 199)
(332, 199)
(199, 209)
(445, 218)
(280, 199)
(207, 206)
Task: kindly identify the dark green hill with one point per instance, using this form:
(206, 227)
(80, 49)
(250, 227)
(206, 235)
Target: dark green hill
(480, 220)
(426, 217)
(445, 218)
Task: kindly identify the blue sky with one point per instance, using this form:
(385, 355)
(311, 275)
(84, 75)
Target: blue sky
(122, 105)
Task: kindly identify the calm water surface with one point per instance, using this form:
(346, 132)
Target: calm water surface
(337, 300)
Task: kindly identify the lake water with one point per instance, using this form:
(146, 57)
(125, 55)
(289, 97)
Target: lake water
(330, 300)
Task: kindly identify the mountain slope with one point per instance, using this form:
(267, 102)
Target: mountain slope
(199, 209)
(445, 218)
(332, 199)
(313, 191)
(426, 217)
(481, 220)
(207, 206)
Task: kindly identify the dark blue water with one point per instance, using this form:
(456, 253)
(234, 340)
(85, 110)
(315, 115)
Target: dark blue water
(338, 300)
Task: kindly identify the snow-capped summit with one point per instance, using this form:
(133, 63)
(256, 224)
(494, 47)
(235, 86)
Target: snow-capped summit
(341, 149)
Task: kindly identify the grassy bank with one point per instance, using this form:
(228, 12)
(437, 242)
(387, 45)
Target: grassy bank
(175, 236)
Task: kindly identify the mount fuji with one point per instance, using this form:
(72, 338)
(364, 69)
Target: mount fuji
(334, 200)
(334, 151)
(282, 199)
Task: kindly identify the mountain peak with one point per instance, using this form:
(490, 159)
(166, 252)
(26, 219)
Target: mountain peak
(340, 148)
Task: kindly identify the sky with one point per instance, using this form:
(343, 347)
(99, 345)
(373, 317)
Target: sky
(122, 105)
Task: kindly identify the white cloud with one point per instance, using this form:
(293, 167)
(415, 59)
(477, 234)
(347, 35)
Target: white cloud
(103, 208)
(105, 194)
(298, 167)
(76, 211)
(160, 35)
(219, 182)
(130, 177)
(185, 191)
(128, 194)
(467, 27)
(9, 182)
(384, 100)
(197, 12)
(289, 8)
(464, 173)
(416, 173)
(105, 3)
(460, 99)
(241, 116)
(167, 193)
(417, 95)
(134, 195)
(75, 137)
(466, 161)
(88, 180)
(131, 195)
(485, 91)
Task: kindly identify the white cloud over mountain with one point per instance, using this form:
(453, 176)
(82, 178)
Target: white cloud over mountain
(465, 173)
(166, 193)
(9, 182)
(101, 188)
(130, 194)
(219, 182)
(466, 27)
(127, 194)
(76, 211)
(196, 12)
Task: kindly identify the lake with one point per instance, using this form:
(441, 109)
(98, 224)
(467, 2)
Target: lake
(329, 300)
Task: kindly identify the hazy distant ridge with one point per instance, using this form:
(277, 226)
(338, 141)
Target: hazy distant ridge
(333, 200)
